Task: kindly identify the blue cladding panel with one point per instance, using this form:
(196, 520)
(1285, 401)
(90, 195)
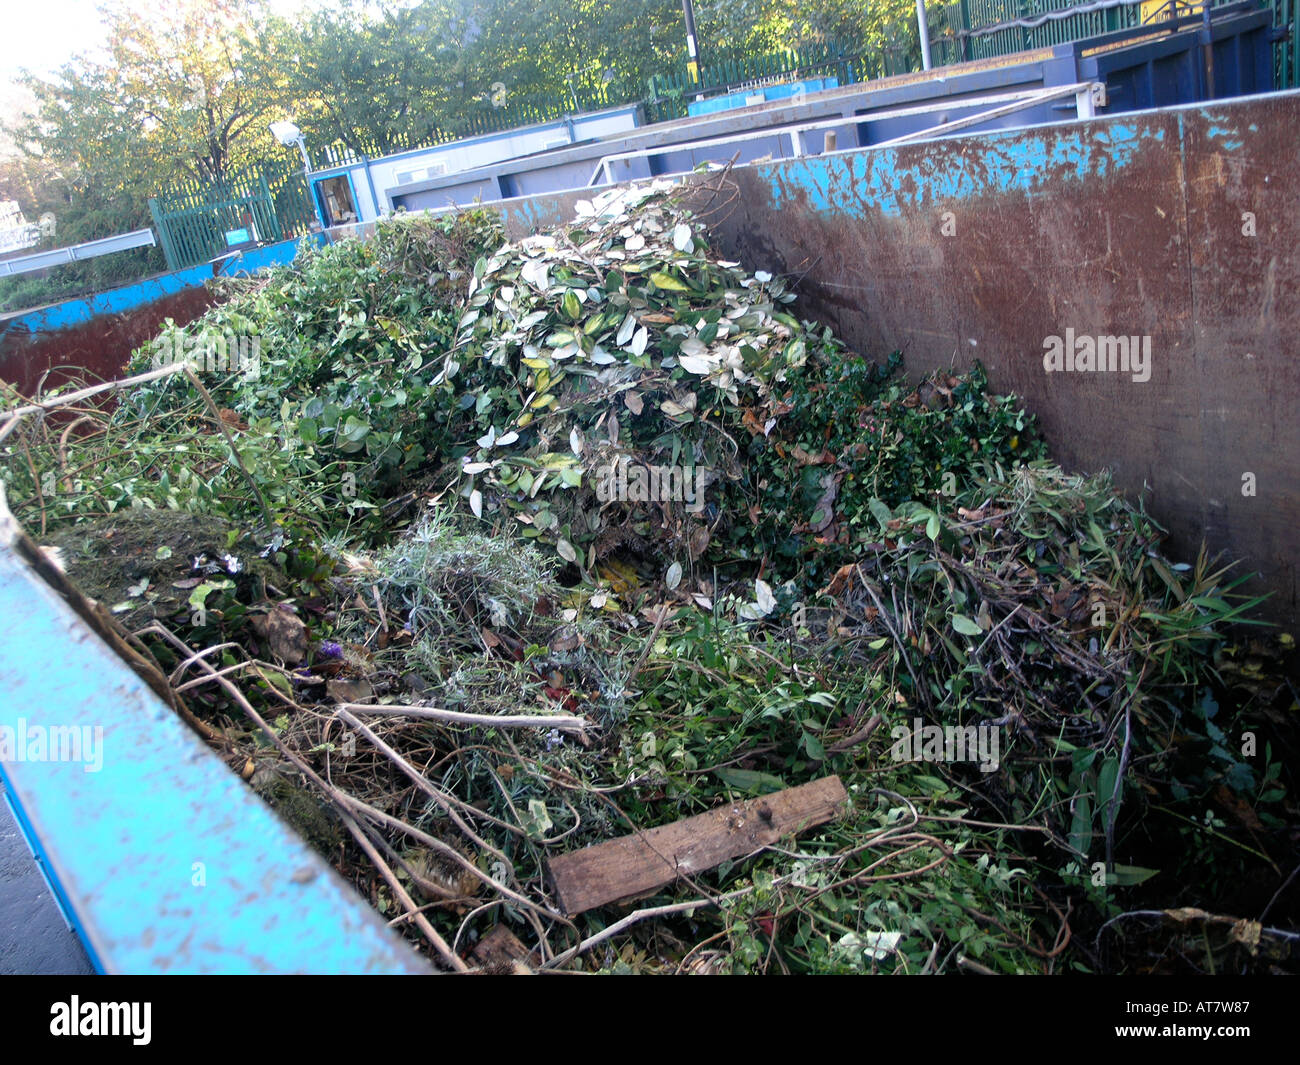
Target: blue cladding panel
(121, 842)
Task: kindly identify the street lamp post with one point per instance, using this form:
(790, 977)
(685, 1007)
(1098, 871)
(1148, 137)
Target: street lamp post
(289, 135)
(923, 28)
(692, 44)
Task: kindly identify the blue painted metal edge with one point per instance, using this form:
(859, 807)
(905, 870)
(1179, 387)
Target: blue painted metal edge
(43, 864)
(165, 861)
(128, 297)
(1020, 157)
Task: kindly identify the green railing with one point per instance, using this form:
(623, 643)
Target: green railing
(671, 92)
(1286, 52)
(968, 15)
(481, 118)
(192, 218)
(951, 22)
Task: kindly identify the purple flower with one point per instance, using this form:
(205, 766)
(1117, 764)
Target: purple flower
(330, 649)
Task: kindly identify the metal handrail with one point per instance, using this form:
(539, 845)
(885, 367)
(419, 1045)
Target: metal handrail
(1088, 95)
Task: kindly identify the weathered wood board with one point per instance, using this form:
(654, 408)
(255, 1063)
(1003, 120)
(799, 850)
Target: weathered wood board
(501, 951)
(645, 861)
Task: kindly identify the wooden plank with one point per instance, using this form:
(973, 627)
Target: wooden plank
(501, 952)
(645, 861)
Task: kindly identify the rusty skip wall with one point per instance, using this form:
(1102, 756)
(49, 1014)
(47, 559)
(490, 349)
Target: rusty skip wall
(1179, 225)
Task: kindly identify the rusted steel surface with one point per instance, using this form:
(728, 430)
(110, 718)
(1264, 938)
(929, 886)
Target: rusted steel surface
(95, 350)
(1178, 225)
(525, 216)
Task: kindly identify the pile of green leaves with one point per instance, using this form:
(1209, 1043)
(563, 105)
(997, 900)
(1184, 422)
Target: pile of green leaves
(618, 338)
(1047, 611)
(349, 337)
(432, 354)
(705, 710)
(865, 548)
(859, 440)
(621, 339)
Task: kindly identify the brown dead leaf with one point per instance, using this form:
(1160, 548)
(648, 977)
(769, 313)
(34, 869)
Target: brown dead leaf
(350, 690)
(699, 540)
(660, 612)
(805, 458)
(1238, 807)
(840, 581)
(752, 422)
(285, 634)
(1247, 933)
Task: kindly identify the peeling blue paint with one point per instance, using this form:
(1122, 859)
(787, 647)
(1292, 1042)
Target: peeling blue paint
(1229, 135)
(894, 181)
(125, 843)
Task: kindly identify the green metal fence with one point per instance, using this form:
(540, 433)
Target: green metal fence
(952, 22)
(981, 14)
(1286, 53)
(671, 92)
(479, 119)
(192, 219)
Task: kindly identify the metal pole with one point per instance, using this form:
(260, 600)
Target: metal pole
(1207, 47)
(306, 176)
(692, 44)
(923, 28)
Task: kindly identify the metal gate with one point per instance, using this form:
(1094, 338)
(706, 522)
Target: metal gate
(193, 219)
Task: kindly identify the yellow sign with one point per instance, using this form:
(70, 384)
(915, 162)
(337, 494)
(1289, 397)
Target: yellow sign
(1160, 10)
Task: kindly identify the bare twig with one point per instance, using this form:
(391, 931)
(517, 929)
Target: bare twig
(563, 722)
(440, 945)
(19, 413)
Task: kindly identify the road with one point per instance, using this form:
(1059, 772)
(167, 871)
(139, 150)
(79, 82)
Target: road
(33, 936)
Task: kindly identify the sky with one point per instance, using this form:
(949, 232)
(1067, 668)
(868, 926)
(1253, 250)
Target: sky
(42, 35)
(46, 34)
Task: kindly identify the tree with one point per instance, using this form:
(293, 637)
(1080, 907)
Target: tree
(375, 80)
(169, 98)
(769, 25)
(166, 102)
(381, 79)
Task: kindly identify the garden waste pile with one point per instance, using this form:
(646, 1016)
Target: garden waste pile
(501, 554)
